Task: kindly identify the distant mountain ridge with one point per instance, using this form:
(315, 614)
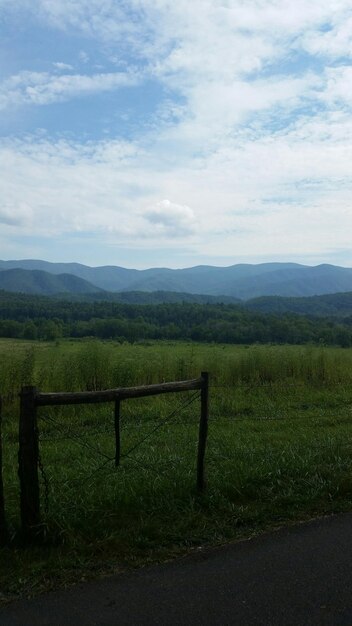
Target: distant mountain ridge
(42, 283)
(242, 281)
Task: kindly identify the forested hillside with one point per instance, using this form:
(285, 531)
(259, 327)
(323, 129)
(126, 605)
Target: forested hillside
(336, 304)
(43, 283)
(35, 317)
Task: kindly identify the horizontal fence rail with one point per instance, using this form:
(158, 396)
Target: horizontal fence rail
(121, 393)
(29, 459)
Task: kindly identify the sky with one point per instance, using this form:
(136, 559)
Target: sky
(149, 133)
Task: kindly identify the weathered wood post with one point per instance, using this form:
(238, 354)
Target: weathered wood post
(117, 432)
(28, 464)
(203, 430)
(3, 527)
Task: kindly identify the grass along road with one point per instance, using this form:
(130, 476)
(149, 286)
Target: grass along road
(279, 450)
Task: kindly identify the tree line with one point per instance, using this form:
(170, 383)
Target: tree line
(40, 317)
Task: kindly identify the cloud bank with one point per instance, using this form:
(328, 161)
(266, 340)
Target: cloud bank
(243, 150)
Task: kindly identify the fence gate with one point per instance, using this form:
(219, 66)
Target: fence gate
(32, 398)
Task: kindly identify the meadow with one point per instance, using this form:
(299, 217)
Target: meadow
(279, 450)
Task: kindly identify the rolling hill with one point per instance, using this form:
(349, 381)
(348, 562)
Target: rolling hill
(241, 281)
(43, 283)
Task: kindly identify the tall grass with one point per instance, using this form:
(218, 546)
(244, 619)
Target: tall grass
(279, 448)
(92, 365)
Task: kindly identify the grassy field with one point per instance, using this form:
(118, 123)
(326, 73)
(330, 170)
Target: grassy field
(279, 450)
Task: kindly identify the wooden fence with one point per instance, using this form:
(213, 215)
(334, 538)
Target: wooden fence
(3, 530)
(31, 398)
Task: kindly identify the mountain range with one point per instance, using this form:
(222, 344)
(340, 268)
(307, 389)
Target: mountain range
(236, 282)
(43, 283)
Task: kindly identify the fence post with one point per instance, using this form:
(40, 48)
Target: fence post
(28, 463)
(117, 432)
(3, 527)
(203, 430)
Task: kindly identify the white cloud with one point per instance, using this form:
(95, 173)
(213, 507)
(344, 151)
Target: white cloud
(83, 56)
(15, 215)
(39, 88)
(204, 36)
(284, 193)
(338, 89)
(335, 41)
(104, 19)
(63, 66)
(256, 144)
(170, 219)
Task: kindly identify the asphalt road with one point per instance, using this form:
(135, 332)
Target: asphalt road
(293, 577)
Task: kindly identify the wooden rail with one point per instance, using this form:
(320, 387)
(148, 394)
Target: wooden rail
(32, 398)
(109, 395)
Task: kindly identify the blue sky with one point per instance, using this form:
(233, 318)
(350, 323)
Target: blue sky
(153, 133)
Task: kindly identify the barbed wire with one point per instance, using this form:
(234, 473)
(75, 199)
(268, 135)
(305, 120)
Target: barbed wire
(212, 455)
(148, 467)
(85, 479)
(333, 446)
(77, 439)
(276, 384)
(287, 418)
(217, 448)
(161, 423)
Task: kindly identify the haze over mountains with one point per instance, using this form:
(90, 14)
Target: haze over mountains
(43, 283)
(242, 281)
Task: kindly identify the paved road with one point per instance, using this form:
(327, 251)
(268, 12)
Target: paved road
(293, 577)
